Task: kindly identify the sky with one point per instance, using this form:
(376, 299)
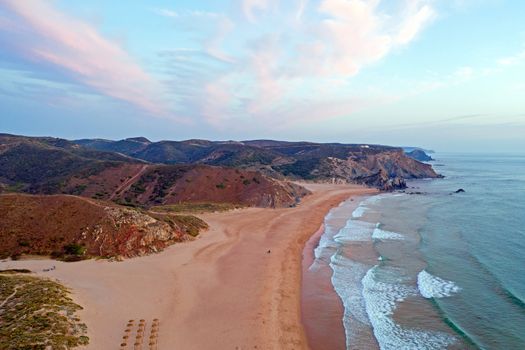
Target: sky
(442, 74)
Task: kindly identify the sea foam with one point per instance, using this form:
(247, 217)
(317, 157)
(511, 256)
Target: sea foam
(380, 302)
(385, 235)
(359, 211)
(346, 279)
(434, 287)
(355, 231)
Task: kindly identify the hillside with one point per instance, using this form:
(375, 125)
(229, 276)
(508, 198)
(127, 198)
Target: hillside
(375, 165)
(75, 227)
(148, 185)
(40, 165)
(140, 172)
(57, 166)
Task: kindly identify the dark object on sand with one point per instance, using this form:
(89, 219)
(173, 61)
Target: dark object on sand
(269, 251)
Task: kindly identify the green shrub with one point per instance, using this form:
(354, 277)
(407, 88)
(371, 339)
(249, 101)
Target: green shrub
(74, 249)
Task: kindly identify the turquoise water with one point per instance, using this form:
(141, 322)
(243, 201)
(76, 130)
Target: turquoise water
(477, 239)
(436, 269)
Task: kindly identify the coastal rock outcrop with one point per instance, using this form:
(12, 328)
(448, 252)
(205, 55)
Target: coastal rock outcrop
(420, 155)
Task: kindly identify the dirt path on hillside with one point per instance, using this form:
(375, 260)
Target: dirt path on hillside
(127, 184)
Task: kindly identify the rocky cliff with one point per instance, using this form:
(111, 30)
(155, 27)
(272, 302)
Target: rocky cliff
(420, 155)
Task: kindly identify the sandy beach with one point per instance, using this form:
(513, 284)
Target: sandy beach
(238, 286)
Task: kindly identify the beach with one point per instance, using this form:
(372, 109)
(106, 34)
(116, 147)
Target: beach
(238, 286)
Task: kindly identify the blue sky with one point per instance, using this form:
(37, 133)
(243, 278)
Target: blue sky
(448, 75)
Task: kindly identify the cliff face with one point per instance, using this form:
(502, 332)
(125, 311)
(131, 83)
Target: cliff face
(385, 170)
(389, 170)
(420, 155)
(50, 224)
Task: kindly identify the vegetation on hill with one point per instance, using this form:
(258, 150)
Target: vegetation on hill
(73, 228)
(53, 166)
(37, 313)
(41, 165)
(375, 165)
(196, 208)
(196, 170)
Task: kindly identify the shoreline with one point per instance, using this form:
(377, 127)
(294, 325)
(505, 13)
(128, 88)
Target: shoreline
(237, 286)
(322, 308)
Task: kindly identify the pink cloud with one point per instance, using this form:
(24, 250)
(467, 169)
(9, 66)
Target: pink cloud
(251, 7)
(332, 41)
(44, 34)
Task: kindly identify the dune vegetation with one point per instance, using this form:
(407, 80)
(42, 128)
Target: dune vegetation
(38, 313)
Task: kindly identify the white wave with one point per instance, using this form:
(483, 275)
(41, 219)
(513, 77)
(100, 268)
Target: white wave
(399, 195)
(380, 302)
(325, 242)
(364, 206)
(434, 287)
(359, 211)
(355, 231)
(385, 235)
(346, 279)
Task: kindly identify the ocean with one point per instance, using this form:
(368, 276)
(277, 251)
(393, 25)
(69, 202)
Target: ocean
(429, 268)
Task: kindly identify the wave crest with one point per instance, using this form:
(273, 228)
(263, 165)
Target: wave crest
(434, 287)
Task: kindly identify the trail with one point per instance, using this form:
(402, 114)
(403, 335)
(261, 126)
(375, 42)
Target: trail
(9, 297)
(127, 184)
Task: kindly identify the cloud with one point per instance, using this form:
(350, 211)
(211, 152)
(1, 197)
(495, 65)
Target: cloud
(417, 16)
(263, 62)
(305, 54)
(512, 60)
(44, 37)
(251, 7)
(176, 14)
(213, 45)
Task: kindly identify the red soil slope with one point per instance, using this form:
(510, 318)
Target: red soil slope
(148, 185)
(47, 224)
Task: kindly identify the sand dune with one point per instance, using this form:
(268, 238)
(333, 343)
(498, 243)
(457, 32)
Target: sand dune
(223, 291)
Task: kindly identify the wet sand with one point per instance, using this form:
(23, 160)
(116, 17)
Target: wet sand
(322, 309)
(236, 287)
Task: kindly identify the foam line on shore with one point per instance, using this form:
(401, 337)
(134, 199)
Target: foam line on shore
(346, 279)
